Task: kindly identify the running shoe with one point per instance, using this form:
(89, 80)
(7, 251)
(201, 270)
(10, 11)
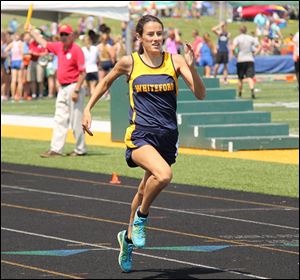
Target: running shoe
(139, 231)
(125, 256)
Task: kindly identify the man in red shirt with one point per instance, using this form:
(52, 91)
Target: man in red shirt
(70, 98)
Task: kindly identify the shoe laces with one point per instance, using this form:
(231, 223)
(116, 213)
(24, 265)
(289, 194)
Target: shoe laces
(127, 256)
(130, 249)
(140, 226)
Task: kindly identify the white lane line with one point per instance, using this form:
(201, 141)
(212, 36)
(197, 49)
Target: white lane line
(135, 253)
(153, 207)
(215, 210)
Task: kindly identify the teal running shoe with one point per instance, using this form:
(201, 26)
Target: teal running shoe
(125, 256)
(139, 231)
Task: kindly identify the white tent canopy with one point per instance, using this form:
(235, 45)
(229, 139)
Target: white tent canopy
(54, 10)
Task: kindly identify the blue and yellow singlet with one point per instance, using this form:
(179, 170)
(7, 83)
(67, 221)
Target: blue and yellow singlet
(153, 95)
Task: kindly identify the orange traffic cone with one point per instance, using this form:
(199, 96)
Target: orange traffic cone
(115, 179)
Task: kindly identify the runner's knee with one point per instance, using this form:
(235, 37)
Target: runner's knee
(164, 177)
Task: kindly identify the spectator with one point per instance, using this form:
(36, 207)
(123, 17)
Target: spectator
(119, 48)
(26, 61)
(89, 22)
(81, 26)
(5, 72)
(124, 25)
(53, 28)
(296, 55)
(70, 98)
(261, 22)
(36, 71)
(13, 25)
(223, 50)
(93, 37)
(289, 44)
(102, 28)
(99, 23)
(173, 41)
(15, 48)
(189, 5)
(91, 58)
(244, 44)
(198, 9)
(274, 31)
(107, 31)
(266, 45)
(51, 69)
(207, 51)
(106, 57)
(276, 46)
(197, 41)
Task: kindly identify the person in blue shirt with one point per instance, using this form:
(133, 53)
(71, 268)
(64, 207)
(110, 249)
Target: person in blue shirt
(262, 23)
(13, 25)
(207, 50)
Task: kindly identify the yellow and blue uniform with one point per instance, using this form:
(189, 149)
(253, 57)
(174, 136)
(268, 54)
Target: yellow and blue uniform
(153, 102)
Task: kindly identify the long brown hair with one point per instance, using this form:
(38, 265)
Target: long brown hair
(140, 27)
(209, 42)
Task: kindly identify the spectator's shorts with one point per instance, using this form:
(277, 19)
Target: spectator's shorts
(16, 64)
(165, 142)
(106, 65)
(36, 72)
(297, 66)
(222, 58)
(245, 69)
(206, 61)
(92, 76)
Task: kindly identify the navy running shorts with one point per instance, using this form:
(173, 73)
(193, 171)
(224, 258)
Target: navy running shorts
(164, 141)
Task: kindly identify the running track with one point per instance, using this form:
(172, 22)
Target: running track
(63, 224)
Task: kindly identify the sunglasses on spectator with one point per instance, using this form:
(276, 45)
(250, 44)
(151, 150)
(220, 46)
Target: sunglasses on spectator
(64, 34)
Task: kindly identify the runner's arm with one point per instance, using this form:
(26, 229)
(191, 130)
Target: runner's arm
(123, 67)
(185, 67)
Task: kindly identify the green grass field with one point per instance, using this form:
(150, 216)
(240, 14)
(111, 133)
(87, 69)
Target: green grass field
(278, 97)
(45, 107)
(234, 174)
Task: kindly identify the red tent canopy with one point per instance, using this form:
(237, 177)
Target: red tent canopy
(249, 12)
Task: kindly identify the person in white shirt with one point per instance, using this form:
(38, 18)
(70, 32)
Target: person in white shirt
(245, 47)
(91, 59)
(90, 21)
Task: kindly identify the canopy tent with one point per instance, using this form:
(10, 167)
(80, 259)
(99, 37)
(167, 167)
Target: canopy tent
(55, 10)
(258, 3)
(249, 12)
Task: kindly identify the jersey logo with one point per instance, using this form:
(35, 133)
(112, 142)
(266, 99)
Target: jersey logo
(154, 87)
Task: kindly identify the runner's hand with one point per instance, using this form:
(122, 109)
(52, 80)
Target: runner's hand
(86, 122)
(189, 55)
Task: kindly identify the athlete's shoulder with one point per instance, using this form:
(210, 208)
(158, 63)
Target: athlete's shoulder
(125, 61)
(178, 61)
(124, 65)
